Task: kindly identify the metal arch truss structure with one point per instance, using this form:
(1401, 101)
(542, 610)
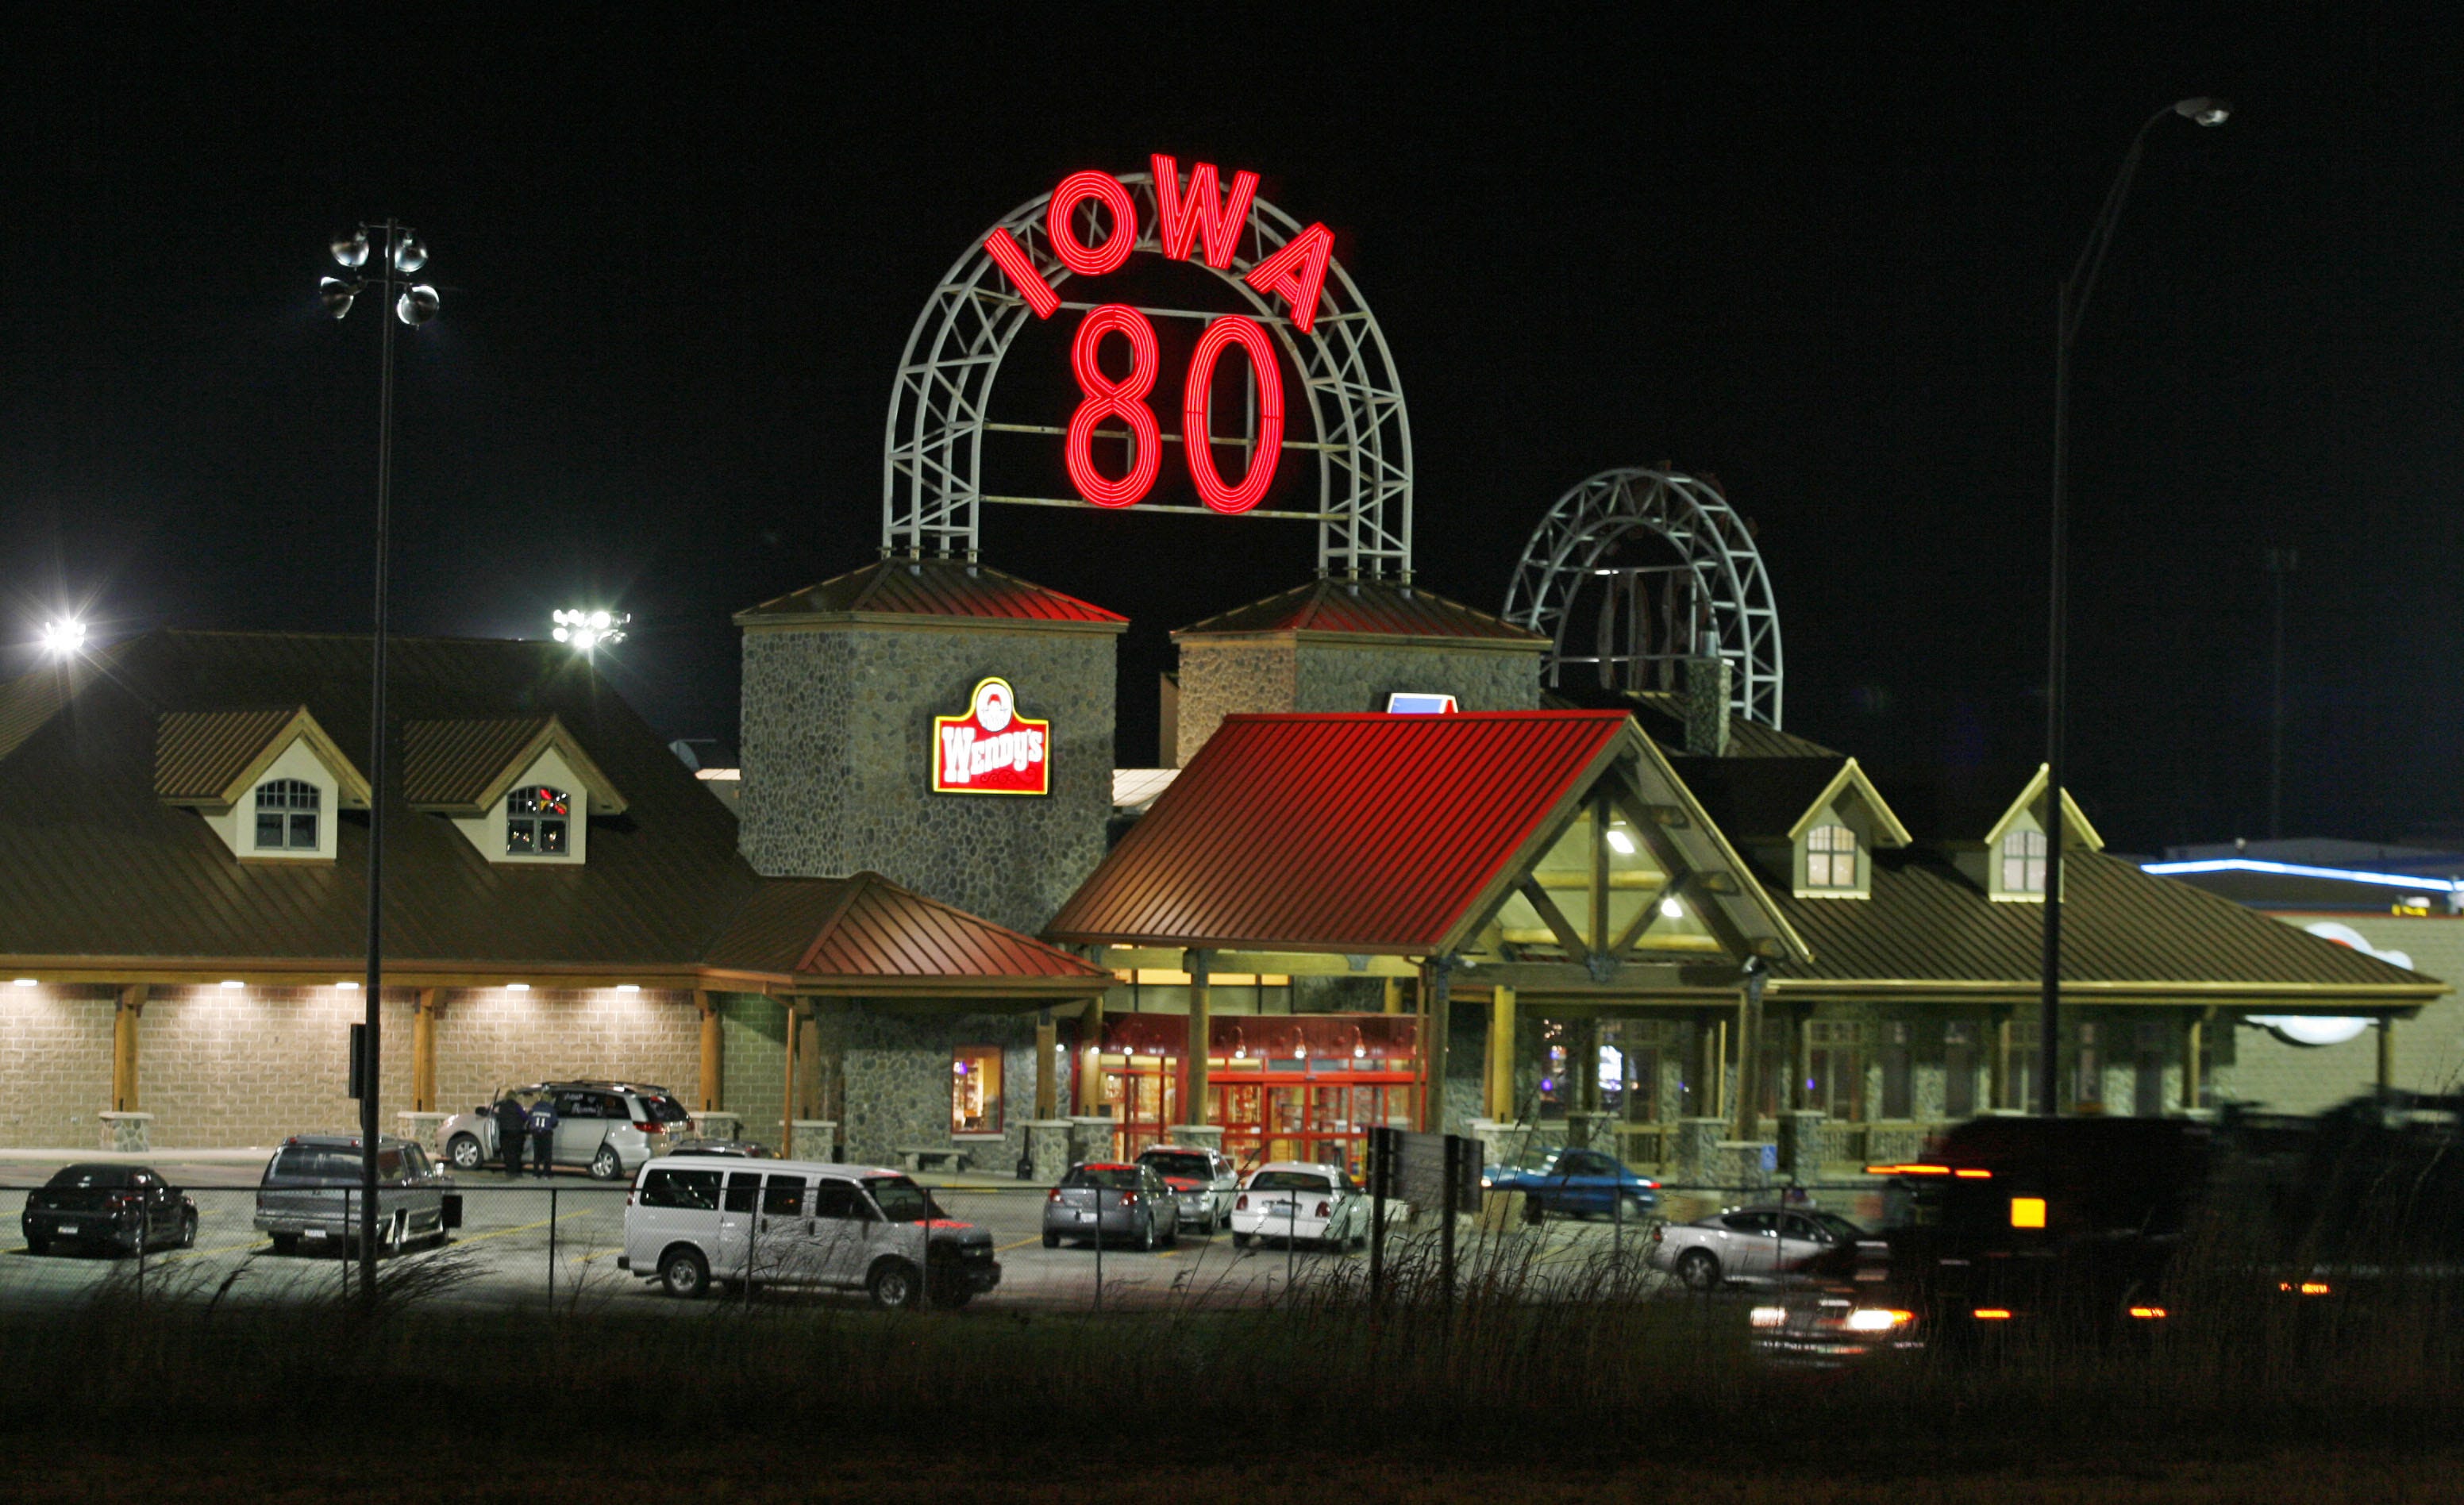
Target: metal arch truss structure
(932, 486)
(1715, 602)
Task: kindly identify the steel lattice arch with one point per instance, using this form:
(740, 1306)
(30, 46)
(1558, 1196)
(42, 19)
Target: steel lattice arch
(1713, 601)
(931, 489)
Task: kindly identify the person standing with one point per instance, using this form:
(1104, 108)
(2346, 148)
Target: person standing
(542, 1123)
(511, 1131)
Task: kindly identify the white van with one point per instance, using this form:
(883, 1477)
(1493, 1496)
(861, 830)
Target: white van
(693, 1219)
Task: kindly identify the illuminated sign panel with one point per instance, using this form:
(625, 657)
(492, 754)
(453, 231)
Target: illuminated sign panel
(991, 749)
(1412, 703)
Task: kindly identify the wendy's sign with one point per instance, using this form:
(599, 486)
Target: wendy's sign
(991, 749)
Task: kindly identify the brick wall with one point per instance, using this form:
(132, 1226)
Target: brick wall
(226, 1067)
(753, 1047)
(56, 1062)
(488, 1038)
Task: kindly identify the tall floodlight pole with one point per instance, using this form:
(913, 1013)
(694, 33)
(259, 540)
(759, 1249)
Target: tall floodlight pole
(2073, 305)
(2280, 562)
(400, 254)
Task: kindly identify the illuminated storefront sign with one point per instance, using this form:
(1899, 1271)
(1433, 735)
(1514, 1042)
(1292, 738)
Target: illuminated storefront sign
(1413, 702)
(991, 749)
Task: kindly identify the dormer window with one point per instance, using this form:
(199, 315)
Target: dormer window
(536, 817)
(1831, 857)
(2023, 862)
(286, 815)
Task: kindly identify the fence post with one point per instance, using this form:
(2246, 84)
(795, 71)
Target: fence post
(551, 1245)
(1381, 1154)
(1451, 1202)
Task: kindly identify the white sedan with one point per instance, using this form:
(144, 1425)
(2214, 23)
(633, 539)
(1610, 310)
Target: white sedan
(1302, 1203)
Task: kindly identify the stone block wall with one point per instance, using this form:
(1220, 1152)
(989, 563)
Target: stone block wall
(488, 1038)
(1223, 676)
(56, 1060)
(221, 1068)
(838, 750)
(896, 1068)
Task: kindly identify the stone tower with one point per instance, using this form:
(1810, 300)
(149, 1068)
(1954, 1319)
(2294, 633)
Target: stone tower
(843, 682)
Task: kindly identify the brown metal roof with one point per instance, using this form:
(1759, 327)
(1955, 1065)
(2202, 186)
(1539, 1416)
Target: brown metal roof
(199, 755)
(866, 929)
(2121, 927)
(461, 766)
(929, 587)
(1757, 799)
(1355, 834)
(1368, 606)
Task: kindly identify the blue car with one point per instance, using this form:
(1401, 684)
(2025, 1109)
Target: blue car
(1572, 1181)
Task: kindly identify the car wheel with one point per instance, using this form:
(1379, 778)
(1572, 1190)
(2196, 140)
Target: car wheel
(684, 1272)
(1699, 1269)
(465, 1152)
(1171, 1232)
(606, 1164)
(892, 1285)
(1052, 1241)
(188, 1230)
(1243, 1240)
(1147, 1237)
(38, 1246)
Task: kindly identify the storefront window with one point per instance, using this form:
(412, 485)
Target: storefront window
(1959, 1070)
(975, 1090)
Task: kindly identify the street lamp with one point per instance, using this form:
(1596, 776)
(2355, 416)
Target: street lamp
(400, 253)
(2072, 306)
(586, 630)
(63, 636)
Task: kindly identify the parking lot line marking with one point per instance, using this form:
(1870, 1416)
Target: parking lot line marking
(200, 1254)
(565, 1217)
(1021, 1243)
(602, 1254)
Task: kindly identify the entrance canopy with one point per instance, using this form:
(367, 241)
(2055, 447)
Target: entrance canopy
(1553, 850)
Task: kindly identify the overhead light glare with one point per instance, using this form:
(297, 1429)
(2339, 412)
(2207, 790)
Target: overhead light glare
(63, 636)
(587, 629)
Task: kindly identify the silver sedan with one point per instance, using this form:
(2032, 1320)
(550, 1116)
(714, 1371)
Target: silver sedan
(1105, 1201)
(1748, 1244)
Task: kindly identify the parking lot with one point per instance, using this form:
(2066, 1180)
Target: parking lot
(531, 1241)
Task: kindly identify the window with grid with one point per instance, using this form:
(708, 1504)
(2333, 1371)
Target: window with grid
(286, 815)
(2023, 862)
(1831, 857)
(536, 817)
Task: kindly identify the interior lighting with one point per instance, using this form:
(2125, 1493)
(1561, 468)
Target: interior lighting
(1878, 1319)
(1671, 909)
(63, 636)
(1622, 842)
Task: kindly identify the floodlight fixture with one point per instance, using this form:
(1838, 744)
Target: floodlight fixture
(63, 636)
(409, 255)
(589, 629)
(351, 251)
(2205, 111)
(337, 296)
(417, 304)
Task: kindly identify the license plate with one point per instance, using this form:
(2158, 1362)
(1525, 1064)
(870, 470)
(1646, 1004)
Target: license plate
(1084, 1217)
(68, 1228)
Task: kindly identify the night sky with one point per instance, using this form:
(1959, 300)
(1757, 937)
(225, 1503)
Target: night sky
(1810, 252)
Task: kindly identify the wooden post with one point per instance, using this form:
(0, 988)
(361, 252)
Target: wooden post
(1498, 1073)
(787, 1082)
(124, 1048)
(1583, 1066)
(1800, 1051)
(2194, 1039)
(1433, 1046)
(1091, 1058)
(1997, 1070)
(1202, 1018)
(1749, 1055)
(713, 1048)
(1047, 1089)
(2386, 1056)
(422, 1052)
(1394, 995)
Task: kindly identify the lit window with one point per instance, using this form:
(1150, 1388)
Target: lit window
(975, 1090)
(286, 815)
(534, 821)
(1831, 857)
(2023, 862)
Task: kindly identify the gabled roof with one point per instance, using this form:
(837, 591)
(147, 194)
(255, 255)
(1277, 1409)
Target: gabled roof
(865, 934)
(1974, 808)
(2124, 935)
(898, 590)
(1365, 834)
(1774, 799)
(211, 757)
(1372, 608)
(2074, 821)
(462, 768)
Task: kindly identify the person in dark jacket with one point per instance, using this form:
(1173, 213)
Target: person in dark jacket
(513, 1123)
(542, 1123)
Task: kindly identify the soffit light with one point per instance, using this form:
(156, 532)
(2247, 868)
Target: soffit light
(517, 988)
(628, 988)
(233, 983)
(25, 981)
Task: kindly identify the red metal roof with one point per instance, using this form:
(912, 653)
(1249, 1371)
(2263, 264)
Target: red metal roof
(929, 587)
(866, 927)
(1375, 608)
(1352, 834)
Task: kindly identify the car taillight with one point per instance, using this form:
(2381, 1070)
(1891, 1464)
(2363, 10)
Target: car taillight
(1241, 1203)
(649, 1128)
(1128, 1199)
(1323, 1208)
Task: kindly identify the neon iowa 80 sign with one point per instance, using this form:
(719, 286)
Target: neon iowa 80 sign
(1299, 301)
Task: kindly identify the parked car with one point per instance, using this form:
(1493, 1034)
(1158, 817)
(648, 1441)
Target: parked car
(610, 1128)
(696, 1219)
(1107, 1200)
(1576, 1182)
(1752, 1245)
(1202, 1180)
(311, 1189)
(731, 1149)
(1302, 1203)
(124, 1208)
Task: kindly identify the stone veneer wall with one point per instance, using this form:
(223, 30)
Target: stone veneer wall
(838, 750)
(896, 1068)
(488, 1038)
(56, 1063)
(1221, 677)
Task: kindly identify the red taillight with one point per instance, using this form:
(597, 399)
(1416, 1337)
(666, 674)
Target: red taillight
(649, 1128)
(1323, 1208)
(1128, 1199)
(1241, 1203)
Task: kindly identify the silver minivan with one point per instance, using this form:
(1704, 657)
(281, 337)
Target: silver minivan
(607, 1128)
(696, 1219)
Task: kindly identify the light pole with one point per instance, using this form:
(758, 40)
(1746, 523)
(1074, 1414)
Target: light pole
(401, 253)
(2073, 305)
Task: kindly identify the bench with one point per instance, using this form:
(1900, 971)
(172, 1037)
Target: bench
(928, 1157)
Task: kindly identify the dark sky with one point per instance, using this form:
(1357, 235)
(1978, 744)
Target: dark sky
(1812, 252)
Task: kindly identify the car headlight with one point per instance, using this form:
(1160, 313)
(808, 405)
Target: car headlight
(1768, 1316)
(1877, 1319)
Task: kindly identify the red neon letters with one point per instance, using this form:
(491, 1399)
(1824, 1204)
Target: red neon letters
(1194, 400)
(1297, 273)
(1075, 254)
(1011, 257)
(1104, 398)
(1180, 217)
